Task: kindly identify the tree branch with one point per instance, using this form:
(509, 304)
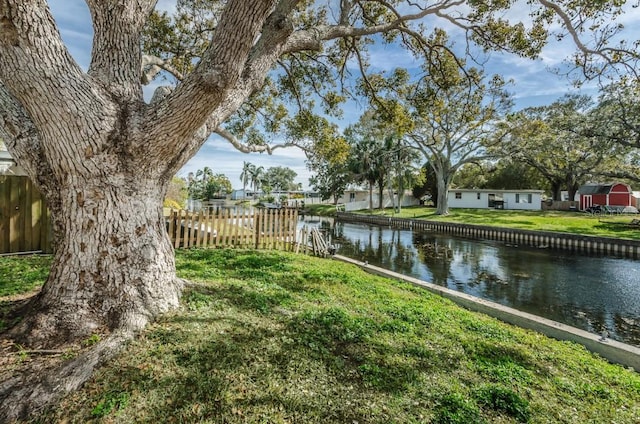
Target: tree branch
(214, 90)
(115, 54)
(35, 65)
(245, 148)
(152, 66)
(610, 56)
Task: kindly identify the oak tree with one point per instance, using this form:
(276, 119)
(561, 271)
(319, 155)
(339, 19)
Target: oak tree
(558, 141)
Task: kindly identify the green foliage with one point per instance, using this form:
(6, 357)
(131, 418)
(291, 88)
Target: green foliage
(307, 84)
(280, 178)
(181, 38)
(504, 174)
(455, 408)
(505, 400)
(112, 401)
(451, 115)
(207, 185)
(561, 143)
(427, 184)
(177, 194)
(378, 155)
(91, 340)
(330, 180)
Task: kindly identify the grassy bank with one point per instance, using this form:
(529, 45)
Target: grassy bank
(320, 210)
(272, 338)
(560, 221)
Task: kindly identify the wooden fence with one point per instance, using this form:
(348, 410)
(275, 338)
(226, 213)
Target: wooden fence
(24, 218)
(25, 224)
(259, 229)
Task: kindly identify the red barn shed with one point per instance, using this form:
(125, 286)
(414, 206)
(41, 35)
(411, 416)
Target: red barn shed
(616, 194)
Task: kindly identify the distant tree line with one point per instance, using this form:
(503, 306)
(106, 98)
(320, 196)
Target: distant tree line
(459, 130)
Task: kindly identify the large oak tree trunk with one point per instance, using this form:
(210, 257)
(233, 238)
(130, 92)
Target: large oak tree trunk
(113, 266)
(443, 201)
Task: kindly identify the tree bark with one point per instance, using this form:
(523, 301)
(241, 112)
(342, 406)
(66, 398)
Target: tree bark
(443, 201)
(113, 266)
(556, 190)
(444, 174)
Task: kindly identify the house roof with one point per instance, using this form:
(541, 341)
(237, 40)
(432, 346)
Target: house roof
(595, 189)
(599, 188)
(484, 190)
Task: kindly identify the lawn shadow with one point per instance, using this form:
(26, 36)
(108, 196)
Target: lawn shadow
(13, 308)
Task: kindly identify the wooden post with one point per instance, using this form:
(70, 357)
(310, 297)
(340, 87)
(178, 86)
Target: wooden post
(257, 224)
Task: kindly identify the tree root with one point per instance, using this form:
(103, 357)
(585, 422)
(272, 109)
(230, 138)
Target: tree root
(33, 388)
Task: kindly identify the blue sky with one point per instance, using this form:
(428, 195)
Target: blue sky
(533, 85)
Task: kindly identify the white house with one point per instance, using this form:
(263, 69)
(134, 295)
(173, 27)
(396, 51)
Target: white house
(495, 199)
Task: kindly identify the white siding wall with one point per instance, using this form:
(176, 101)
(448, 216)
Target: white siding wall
(469, 199)
(523, 204)
(357, 196)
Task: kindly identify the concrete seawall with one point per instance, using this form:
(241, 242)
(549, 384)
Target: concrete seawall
(541, 239)
(611, 350)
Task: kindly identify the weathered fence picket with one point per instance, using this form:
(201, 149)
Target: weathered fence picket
(24, 218)
(259, 229)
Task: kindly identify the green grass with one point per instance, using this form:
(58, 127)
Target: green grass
(268, 337)
(558, 221)
(320, 209)
(19, 276)
(24, 274)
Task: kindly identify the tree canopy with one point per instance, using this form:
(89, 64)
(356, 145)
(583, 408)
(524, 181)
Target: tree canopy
(205, 184)
(559, 142)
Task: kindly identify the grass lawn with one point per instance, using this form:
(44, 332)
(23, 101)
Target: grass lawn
(21, 275)
(320, 209)
(269, 337)
(568, 222)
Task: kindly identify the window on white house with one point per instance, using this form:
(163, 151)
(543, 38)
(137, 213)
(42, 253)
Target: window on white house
(458, 195)
(524, 198)
(478, 196)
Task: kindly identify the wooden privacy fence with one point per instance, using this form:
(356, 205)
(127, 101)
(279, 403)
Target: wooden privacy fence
(258, 229)
(24, 218)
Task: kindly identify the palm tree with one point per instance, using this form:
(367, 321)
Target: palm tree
(400, 160)
(256, 174)
(245, 176)
(198, 182)
(366, 164)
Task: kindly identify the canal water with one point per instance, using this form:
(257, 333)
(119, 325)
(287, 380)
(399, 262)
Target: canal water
(594, 293)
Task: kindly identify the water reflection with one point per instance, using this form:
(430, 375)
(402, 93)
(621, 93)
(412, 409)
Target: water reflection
(594, 293)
